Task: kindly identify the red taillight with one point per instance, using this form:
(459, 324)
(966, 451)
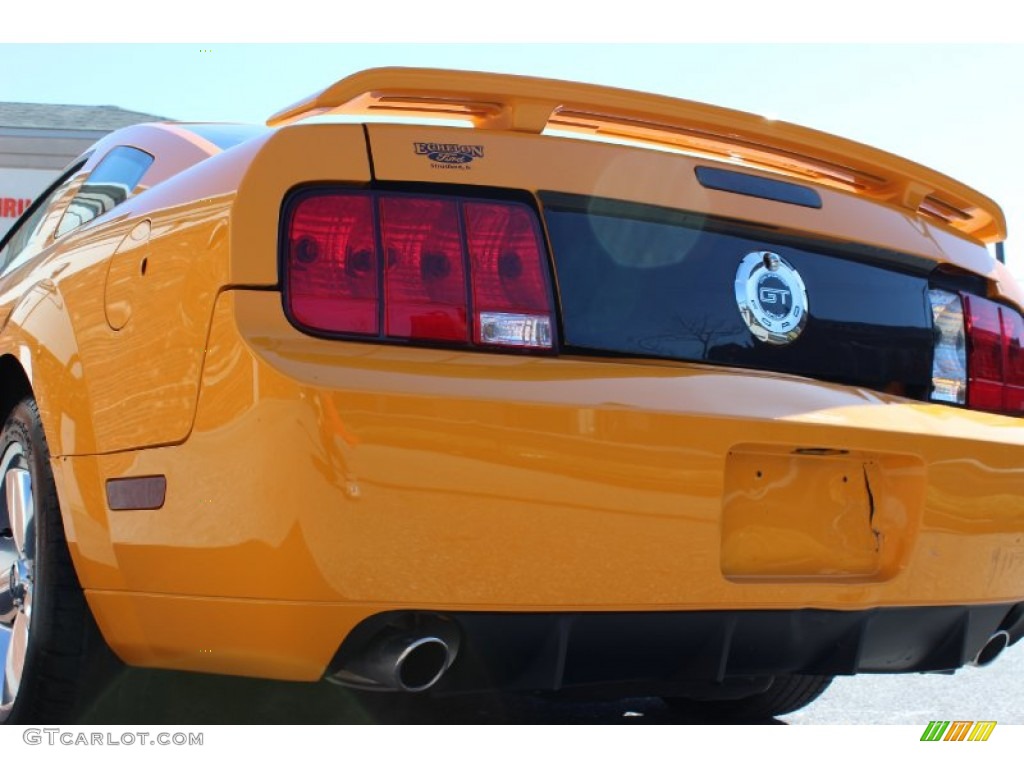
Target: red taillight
(332, 265)
(984, 355)
(1013, 370)
(510, 292)
(426, 282)
(443, 259)
(995, 362)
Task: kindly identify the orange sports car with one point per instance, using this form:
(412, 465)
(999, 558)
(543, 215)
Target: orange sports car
(598, 391)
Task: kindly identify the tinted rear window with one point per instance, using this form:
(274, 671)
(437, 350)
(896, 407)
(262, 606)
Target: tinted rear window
(657, 283)
(226, 136)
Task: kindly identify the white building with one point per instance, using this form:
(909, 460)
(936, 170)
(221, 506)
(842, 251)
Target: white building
(38, 140)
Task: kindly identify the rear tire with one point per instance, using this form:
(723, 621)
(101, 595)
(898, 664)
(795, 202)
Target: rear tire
(786, 694)
(48, 639)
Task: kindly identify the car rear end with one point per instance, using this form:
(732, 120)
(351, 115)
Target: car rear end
(511, 410)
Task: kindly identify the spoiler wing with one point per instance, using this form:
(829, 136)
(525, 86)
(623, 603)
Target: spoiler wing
(530, 104)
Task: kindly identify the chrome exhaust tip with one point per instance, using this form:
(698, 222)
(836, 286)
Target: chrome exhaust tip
(991, 650)
(398, 660)
(421, 664)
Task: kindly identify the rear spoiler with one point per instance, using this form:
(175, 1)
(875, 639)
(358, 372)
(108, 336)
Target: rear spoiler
(532, 104)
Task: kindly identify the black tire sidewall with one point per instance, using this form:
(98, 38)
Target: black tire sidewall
(24, 427)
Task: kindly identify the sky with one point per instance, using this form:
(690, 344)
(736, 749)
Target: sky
(952, 106)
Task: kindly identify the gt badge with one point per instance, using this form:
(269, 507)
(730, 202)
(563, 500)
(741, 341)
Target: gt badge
(771, 297)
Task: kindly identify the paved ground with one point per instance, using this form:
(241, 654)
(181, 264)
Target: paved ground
(995, 692)
(141, 696)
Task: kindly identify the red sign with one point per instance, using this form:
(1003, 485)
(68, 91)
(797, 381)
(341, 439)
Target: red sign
(13, 207)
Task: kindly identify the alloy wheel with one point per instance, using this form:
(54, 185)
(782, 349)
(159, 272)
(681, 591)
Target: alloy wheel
(17, 556)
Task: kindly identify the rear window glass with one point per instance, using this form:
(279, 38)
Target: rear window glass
(226, 136)
(109, 185)
(647, 281)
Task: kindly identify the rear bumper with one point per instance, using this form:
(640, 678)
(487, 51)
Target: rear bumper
(650, 653)
(623, 653)
(382, 479)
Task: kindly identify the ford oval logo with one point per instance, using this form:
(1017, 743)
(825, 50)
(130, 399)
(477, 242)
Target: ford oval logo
(449, 157)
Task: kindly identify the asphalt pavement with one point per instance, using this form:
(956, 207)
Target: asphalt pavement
(995, 692)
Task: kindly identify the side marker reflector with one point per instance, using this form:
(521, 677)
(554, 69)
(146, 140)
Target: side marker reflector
(148, 492)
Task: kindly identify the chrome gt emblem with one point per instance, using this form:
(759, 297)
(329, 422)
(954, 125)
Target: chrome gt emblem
(771, 297)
